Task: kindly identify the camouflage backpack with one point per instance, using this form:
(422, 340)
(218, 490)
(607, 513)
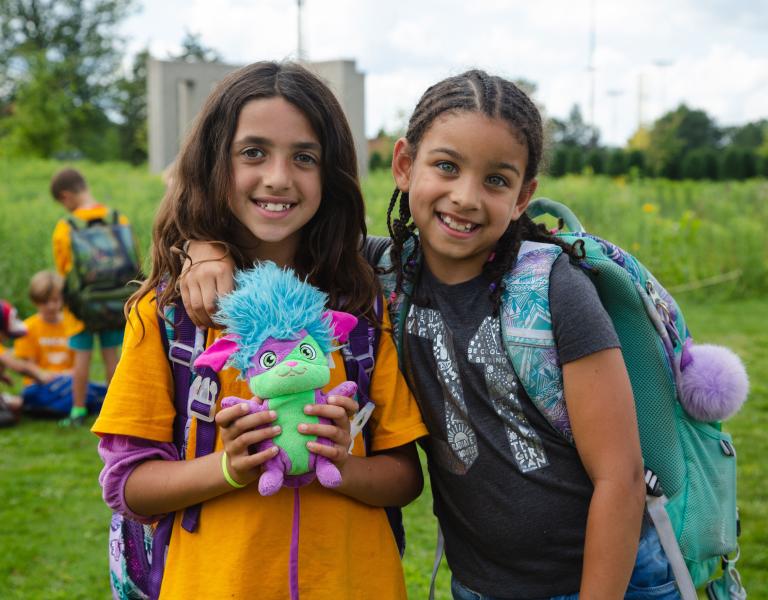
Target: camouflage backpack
(104, 263)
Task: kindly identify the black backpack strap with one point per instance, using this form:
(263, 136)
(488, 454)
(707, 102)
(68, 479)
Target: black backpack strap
(359, 360)
(195, 393)
(73, 223)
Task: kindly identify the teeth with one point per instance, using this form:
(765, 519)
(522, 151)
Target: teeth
(273, 207)
(456, 225)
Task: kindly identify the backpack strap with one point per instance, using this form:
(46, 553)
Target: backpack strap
(399, 304)
(195, 392)
(359, 359)
(527, 332)
(359, 356)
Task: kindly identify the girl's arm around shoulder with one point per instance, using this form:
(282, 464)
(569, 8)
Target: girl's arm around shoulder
(601, 409)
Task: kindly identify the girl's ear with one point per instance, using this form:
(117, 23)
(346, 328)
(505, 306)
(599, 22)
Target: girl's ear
(524, 198)
(217, 354)
(402, 163)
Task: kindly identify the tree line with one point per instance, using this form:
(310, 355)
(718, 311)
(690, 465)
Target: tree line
(684, 143)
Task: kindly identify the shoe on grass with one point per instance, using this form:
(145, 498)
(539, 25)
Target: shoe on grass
(76, 417)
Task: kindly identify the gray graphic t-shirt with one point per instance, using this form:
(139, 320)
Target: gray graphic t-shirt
(512, 496)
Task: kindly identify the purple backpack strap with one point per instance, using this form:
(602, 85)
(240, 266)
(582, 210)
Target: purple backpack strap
(360, 355)
(183, 349)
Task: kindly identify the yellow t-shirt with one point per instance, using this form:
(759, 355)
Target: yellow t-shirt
(242, 546)
(62, 250)
(46, 344)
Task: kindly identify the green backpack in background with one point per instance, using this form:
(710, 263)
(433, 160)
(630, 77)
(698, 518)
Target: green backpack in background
(690, 462)
(104, 264)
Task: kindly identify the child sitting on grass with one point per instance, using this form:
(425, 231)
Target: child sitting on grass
(46, 346)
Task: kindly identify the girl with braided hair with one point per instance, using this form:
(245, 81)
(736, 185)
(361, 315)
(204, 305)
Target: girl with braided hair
(524, 513)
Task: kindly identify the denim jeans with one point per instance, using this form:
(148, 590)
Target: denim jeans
(652, 577)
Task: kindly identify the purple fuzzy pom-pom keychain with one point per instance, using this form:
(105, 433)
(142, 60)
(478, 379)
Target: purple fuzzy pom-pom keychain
(714, 383)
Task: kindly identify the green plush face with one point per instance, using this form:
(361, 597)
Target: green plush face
(285, 367)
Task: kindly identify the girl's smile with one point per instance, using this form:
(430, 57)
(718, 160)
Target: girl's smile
(465, 186)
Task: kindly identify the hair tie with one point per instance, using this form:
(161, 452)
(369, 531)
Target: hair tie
(492, 287)
(491, 257)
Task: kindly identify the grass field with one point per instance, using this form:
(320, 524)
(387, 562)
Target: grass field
(53, 523)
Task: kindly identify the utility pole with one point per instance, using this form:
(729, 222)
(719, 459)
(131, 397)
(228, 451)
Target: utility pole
(613, 94)
(640, 100)
(591, 63)
(300, 52)
(662, 65)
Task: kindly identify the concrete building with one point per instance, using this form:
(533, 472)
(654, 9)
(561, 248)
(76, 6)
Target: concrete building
(176, 91)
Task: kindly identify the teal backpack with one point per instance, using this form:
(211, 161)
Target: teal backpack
(690, 464)
(104, 265)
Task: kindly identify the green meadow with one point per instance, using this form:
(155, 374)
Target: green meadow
(704, 241)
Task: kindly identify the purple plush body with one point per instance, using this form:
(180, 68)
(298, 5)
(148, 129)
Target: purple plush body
(277, 470)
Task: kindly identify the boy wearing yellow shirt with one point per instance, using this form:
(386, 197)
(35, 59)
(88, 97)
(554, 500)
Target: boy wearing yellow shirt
(69, 188)
(46, 345)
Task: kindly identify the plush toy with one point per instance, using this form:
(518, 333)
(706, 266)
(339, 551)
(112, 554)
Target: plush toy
(279, 336)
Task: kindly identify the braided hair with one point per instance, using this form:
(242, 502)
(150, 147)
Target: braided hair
(494, 97)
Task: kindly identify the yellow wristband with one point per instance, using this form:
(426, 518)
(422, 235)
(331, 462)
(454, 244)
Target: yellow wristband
(227, 476)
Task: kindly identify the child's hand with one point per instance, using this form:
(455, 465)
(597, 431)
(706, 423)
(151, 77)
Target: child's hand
(337, 411)
(207, 273)
(241, 429)
(48, 376)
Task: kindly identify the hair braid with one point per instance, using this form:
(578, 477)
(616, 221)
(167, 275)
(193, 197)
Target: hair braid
(400, 230)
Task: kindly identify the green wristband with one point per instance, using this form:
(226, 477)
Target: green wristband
(227, 476)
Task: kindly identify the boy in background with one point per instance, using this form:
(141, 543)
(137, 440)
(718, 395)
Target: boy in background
(46, 343)
(69, 188)
(46, 346)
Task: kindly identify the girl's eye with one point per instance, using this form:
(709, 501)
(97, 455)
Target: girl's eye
(446, 167)
(252, 153)
(268, 360)
(307, 351)
(497, 180)
(306, 159)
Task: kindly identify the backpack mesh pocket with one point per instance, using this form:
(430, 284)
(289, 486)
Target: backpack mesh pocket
(709, 497)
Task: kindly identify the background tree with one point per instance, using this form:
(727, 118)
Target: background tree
(70, 49)
(193, 50)
(677, 133)
(574, 132)
(131, 106)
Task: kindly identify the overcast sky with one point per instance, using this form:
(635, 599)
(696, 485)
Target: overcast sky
(649, 55)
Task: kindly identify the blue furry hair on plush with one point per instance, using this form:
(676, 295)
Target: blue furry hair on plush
(272, 302)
